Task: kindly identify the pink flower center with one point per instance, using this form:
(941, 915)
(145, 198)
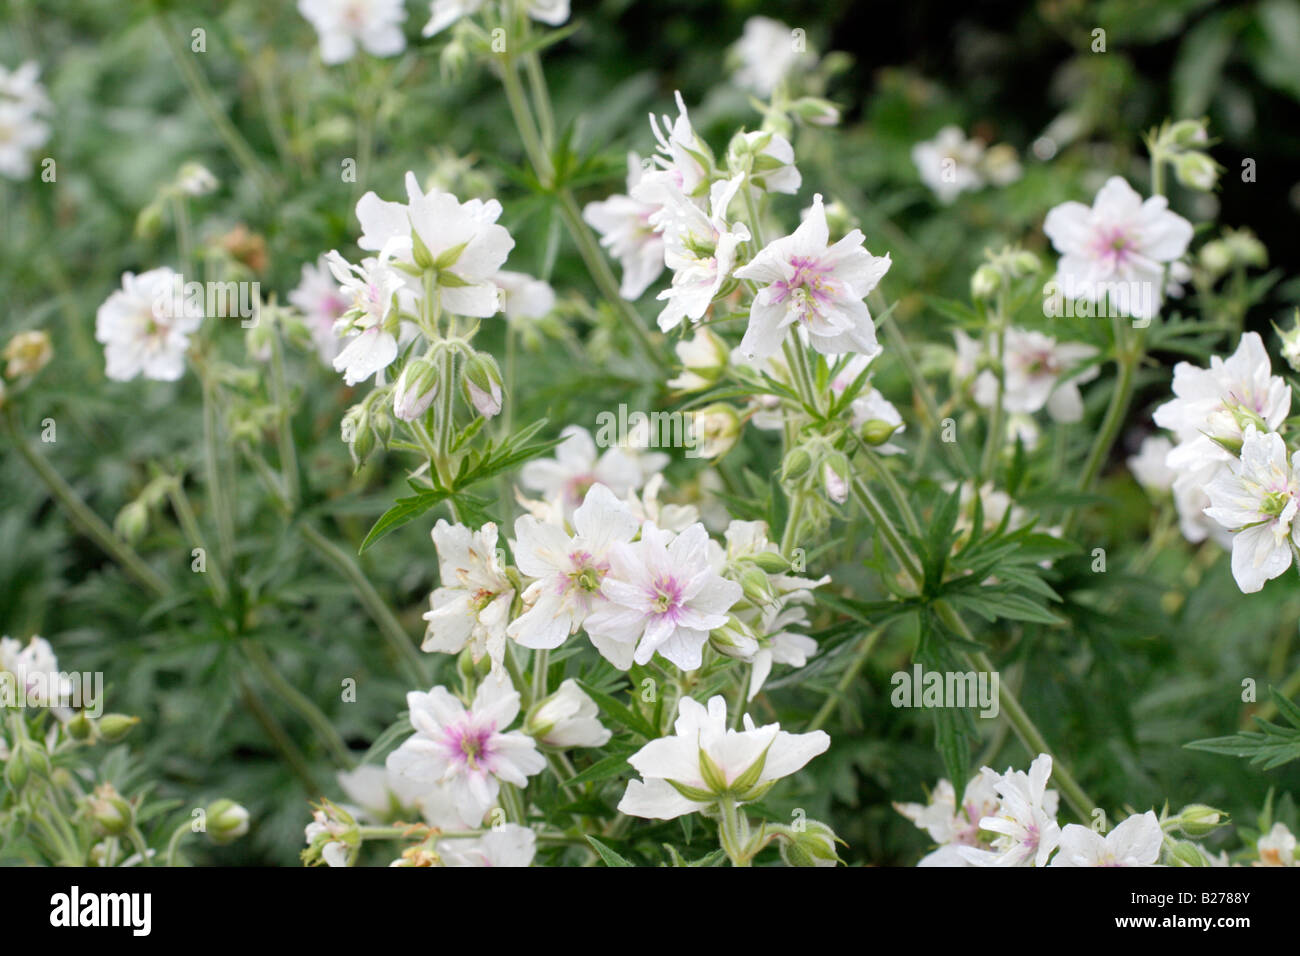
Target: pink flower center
(665, 596)
(1113, 243)
(811, 286)
(471, 746)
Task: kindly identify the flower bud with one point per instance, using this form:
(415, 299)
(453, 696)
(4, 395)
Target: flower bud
(113, 727)
(714, 430)
(1187, 133)
(1291, 343)
(755, 585)
(27, 353)
(1025, 263)
(195, 179)
(772, 562)
(132, 522)
(877, 431)
(416, 389)
(815, 111)
(1216, 257)
(1187, 854)
(110, 812)
(1197, 820)
(227, 821)
(814, 845)
(567, 718)
(1196, 171)
(734, 640)
(357, 434)
(80, 726)
(835, 475)
(985, 283)
(481, 382)
(797, 463)
(704, 359)
(149, 221)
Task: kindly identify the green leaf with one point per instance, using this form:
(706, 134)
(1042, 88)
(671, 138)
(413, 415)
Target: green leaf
(404, 510)
(609, 856)
(618, 712)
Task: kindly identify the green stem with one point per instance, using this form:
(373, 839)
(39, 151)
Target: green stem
(174, 843)
(389, 626)
(283, 421)
(190, 527)
(846, 680)
(329, 737)
(82, 516)
(198, 85)
(279, 738)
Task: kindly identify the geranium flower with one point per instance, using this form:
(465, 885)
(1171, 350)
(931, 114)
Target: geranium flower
(813, 285)
(569, 569)
(949, 163)
(1256, 498)
(628, 232)
(322, 304)
(568, 718)
(568, 476)
(952, 826)
(1025, 820)
(1117, 248)
(704, 759)
(443, 13)
(372, 288)
(700, 250)
(467, 753)
(1135, 841)
(663, 597)
(145, 327)
(471, 606)
(343, 25)
(1039, 371)
(462, 240)
(507, 845)
(766, 54)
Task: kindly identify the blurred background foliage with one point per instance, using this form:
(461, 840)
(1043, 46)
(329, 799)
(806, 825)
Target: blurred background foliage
(1149, 662)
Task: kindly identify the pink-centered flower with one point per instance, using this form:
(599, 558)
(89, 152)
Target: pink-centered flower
(569, 569)
(466, 752)
(815, 286)
(662, 596)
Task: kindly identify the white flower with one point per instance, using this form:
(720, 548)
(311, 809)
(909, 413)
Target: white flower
(322, 304)
(1212, 407)
(767, 52)
(22, 131)
(662, 596)
(705, 756)
(576, 467)
(1038, 373)
(145, 327)
(700, 250)
(463, 239)
(1257, 499)
(679, 158)
(1134, 842)
(507, 845)
(949, 825)
(1025, 820)
(1149, 466)
(568, 718)
(333, 852)
(1118, 248)
(36, 675)
(524, 297)
(471, 606)
(628, 232)
(467, 753)
(377, 792)
(373, 289)
(195, 179)
(870, 405)
(568, 569)
(703, 357)
(1277, 847)
(443, 13)
(342, 25)
(773, 168)
(21, 134)
(949, 163)
(813, 285)
(23, 88)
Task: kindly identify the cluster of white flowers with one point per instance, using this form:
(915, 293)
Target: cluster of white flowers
(1009, 819)
(1228, 466)
(636, 582)
(23, 103)
(951, 164)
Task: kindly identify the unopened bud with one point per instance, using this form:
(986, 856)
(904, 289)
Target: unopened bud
(416, 389)
(481, 382)
(27, 353)
(985, 283)
(227, 821)
(877, 431)
(1196, 171)
(113, 727)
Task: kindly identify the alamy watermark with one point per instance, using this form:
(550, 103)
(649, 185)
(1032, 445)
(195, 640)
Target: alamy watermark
(928, 689)
(638, 430)
(82, 691)
(214, 300)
